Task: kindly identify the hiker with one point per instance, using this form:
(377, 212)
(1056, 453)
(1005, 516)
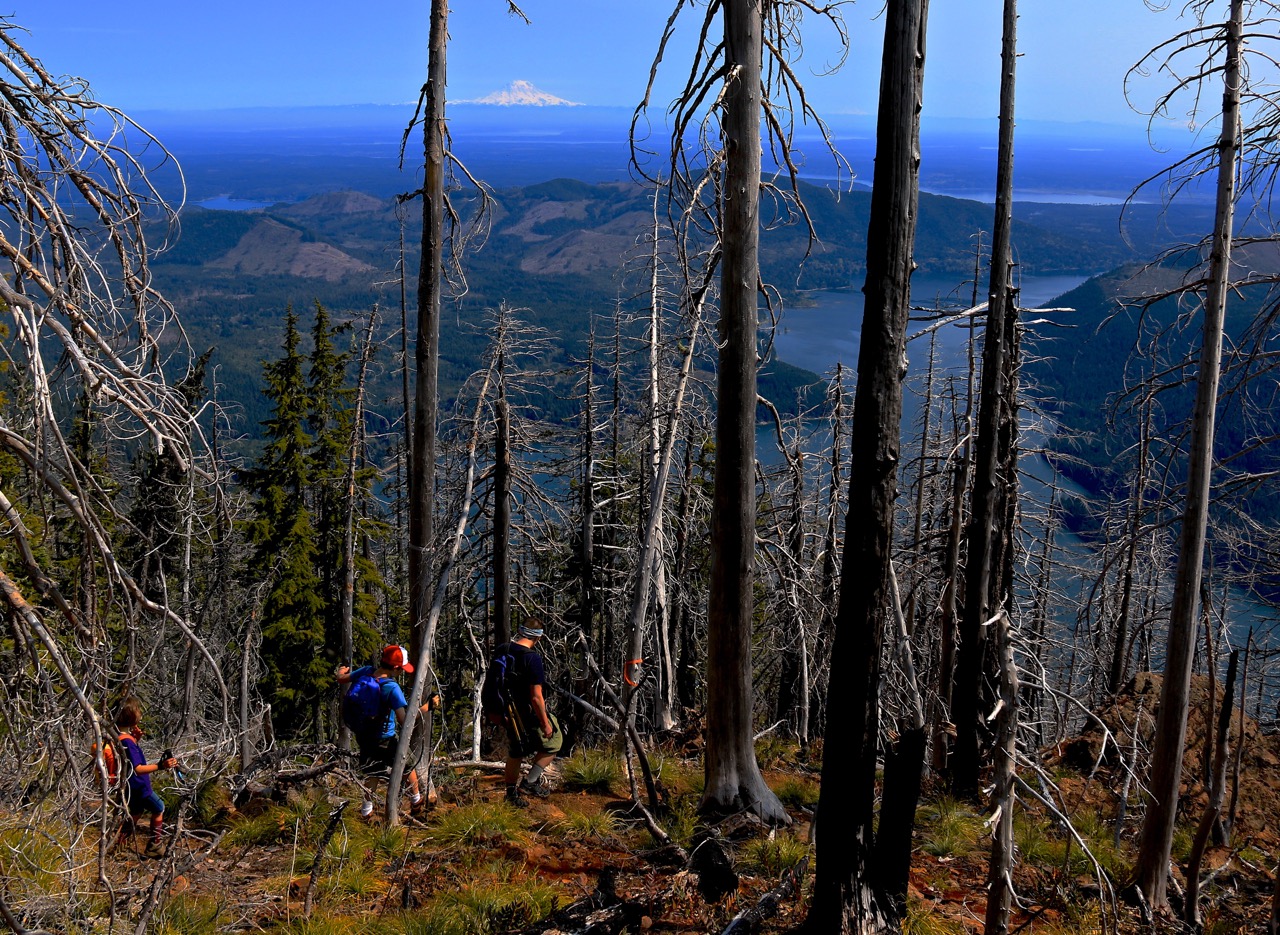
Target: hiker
(512, 696)
(374, 707)
(138, 794)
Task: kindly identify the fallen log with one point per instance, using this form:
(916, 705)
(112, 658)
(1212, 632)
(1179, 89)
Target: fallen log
(601, 913)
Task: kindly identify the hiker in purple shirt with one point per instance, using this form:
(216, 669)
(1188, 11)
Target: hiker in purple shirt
(139, 795)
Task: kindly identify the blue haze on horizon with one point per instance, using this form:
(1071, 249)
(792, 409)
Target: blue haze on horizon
(148, 55)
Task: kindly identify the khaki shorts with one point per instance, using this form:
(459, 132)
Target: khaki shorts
(508, 744)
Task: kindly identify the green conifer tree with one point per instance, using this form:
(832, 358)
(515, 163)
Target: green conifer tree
(286, 548)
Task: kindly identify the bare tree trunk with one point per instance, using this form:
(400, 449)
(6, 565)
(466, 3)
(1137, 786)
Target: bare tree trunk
(422, 475)
(587, 529)
(246, 655)
(650, 560)
(850, 893)
(1230, 823)
(733, 780)
(502, 513)
(994, 476)
(1000, 871)
(1217, 792)
(422, 665)
(1152, 870)
(955, 537)
(829, 582)
(1119, 652)
(349, 521)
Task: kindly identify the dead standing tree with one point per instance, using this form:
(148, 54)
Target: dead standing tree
(991, 533)
(729, 96)
(861, 879)
(442, 237)
(1219, 48)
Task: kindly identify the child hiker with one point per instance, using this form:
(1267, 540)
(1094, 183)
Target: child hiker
(374, 707)
(139, 796)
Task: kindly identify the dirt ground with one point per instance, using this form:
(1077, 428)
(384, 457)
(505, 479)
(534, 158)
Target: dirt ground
(474, 858)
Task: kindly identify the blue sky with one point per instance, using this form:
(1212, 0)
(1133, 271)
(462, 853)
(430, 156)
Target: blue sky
(146, 54)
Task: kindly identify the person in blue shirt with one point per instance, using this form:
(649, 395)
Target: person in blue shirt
(377, 741)
(139, 796)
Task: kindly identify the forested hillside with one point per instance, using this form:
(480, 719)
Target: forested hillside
(566, 251)
(1118, 376)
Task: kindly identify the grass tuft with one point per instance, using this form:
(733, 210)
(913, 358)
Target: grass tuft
(186, 914)
(270, 827)
(923, 918)
(682, 819)
(484, 909)
(585, 826)
(591, 771)
(949, 828)
(771, 857)
(477, 825)
(795, 792)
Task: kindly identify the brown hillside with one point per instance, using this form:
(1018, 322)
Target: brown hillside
(543, 212)
(272, 249)
(331, 203)
(578, 252)
(1259, 791)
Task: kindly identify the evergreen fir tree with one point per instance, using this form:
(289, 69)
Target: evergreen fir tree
(284, 536)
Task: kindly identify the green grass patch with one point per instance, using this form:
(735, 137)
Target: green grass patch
(923, 918)
(948, 827)
(271, 827)
(483, 909)
(32, 860)
(1184, 836)
(773, 752)
(677, 776)
(211, 803)
(773, 856)
(186, 914)
(797, 792)
(349, 878)
(1037, 842)
(585, 826)
(681, 820)
(479, 824)
(591, 771)
(323, 923)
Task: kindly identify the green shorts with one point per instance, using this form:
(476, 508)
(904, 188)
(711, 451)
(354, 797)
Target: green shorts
(522, 742)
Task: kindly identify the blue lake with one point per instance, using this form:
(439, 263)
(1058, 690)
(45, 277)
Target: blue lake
(824, 331)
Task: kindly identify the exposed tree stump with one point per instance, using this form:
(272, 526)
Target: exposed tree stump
(716, 876)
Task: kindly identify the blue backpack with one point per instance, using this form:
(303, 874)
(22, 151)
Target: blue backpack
(363, 707)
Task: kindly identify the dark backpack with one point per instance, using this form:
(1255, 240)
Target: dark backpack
(363, 706)
(497, 695)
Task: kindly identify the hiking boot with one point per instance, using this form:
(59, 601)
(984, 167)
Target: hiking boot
(418, 809)
(155, 848)
(515, 799)
(539, 789)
